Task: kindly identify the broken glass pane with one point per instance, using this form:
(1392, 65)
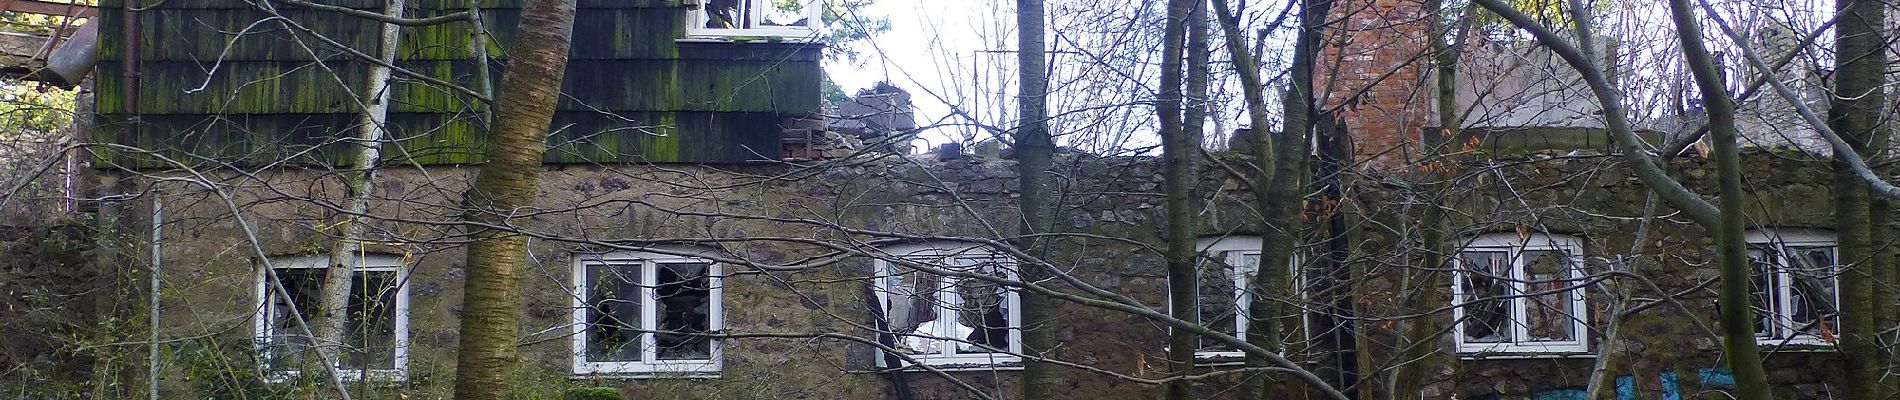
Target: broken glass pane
(1485, 283)
(683, 310)
(1812, 284)
(1549, 315)
(911, 307)
(369, 330)
(613, 312)
(981, 307)
(726, 14)
(1219, 302)
(785, 13)
(289, 340)
(1761, 260)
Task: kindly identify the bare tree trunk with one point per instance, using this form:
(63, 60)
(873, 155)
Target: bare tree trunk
(1280, 198)
(1177, 172)
(1419, 350)
(1281, 166)
(360, 181)
(1737, 321)
(1855, 113)
(523, 108)
(1035, 154)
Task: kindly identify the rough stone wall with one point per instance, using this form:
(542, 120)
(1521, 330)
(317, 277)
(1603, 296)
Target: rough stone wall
(1597, 200)
(776, 216)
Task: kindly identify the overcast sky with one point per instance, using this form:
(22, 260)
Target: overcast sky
(929, 51)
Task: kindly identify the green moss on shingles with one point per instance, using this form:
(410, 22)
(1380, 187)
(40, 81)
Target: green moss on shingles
(664, 145)
(267, 81)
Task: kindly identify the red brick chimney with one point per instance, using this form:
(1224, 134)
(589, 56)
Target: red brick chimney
(1371, 73)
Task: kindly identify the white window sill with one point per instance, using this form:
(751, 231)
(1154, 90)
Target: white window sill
(638, 370)
(1524, 356)
(1219, 355)
(1223, 357)
(643, 375)
(1011, 366)
(950, 364)
(1798, 344)
(753, 36)
(383, 376)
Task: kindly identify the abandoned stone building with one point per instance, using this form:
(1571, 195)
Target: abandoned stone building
(701, 233)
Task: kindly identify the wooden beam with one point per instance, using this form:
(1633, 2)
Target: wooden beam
(49, 8)
(20, 53)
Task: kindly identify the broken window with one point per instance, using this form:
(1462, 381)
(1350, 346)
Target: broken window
(776, 18)
(955, 319)
(1515, 294)
(375, 331)
(1793, 290)
(1225, 291)
(646, 313)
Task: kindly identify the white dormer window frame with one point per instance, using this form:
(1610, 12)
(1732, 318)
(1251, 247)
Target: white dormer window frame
(1772, 255)
(945, 346)
(641, 270)
(752, 18)
(273, 320)
(1242, 255)
(1510, 281)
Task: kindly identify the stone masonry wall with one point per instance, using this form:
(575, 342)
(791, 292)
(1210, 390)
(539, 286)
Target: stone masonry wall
(777, 220)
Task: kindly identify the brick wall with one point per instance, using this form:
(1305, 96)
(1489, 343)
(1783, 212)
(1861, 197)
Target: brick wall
(1371, 72)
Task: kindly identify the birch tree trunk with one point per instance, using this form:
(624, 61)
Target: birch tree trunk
(523, 108)
(360, 181)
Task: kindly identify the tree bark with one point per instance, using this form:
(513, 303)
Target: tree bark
(359, 181)
(1422, 295)
(1035, 155)
(1177, 172)
(1854, 112)
(523, 108)
(1737, 318)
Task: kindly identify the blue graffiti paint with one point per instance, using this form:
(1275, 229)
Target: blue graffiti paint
(1565, 394)
(1716, 376)
(1669, 386)
(1626, 386)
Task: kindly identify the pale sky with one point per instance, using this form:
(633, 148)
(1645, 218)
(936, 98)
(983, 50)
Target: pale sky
(930, 51)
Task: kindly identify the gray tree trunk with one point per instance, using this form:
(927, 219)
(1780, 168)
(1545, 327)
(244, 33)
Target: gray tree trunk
(1177, 172)
(1737, 318)
(1035, 154)
(1419, 350)
(1855, 112)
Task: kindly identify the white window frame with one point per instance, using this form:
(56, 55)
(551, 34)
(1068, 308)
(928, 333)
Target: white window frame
(947, 358)
(1232, 249)
(1514, 245)
(264, 332)
(649, 366)
(696, 18)
(1783, 330)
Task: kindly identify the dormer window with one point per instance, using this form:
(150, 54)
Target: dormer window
(786, 19)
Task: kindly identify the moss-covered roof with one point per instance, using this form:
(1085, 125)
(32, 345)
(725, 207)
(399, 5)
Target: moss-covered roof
(217, 81)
